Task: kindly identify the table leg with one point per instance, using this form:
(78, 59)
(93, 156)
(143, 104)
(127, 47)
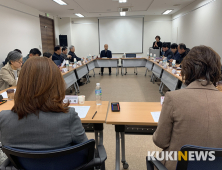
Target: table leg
(117, 151)
(101, 138)
(77, 87)
(125, 164)
(116, 71)
(146, 71)
(94, 73)
(151, 80)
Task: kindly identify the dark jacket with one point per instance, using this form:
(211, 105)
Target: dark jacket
(107, 54)
(46, 131)
(57, 57)
(184, 55)
(176, 56)
(168, 54)
(159, 45)
(64, 56)
(73, 56)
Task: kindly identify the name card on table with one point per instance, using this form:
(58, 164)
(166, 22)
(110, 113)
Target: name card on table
(64, 70)
(74, 66)
(174, 71)
(71, 99)
(138, 57)
(63, 63)
(162, 100)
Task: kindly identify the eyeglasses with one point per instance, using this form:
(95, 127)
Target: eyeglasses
(19, 62)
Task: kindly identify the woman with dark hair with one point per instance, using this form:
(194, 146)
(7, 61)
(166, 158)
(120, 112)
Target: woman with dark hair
(10, 72)
(39, 119)
(193, 116)
(157, 44)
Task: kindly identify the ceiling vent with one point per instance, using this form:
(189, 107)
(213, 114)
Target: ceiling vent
(125, 9)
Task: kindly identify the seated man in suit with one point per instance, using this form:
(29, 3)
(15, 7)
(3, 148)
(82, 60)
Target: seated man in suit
(57, 54)
(167, 52)
(108, 54)
(33, 53)
(176, 54)
(72, 53)
(183, 50)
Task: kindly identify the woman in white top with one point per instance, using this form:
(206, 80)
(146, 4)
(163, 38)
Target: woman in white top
(10, 72)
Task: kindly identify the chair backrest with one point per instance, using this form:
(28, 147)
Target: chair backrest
(203, 163)
(130, 55)
(69, 158)
(57, 62)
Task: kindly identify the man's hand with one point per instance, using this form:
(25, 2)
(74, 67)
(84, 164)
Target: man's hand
(69, 56)
(171, 60)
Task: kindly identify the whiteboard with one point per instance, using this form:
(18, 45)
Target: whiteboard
(123, 35)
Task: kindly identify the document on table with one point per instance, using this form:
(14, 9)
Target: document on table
(156, 116)
(4, 94)
(81, 110)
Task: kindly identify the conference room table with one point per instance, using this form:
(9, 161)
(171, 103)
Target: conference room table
(133, 118)
(107, 62)
(168, 78)
(133, 63)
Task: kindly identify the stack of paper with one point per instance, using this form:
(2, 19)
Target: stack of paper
(156, 116)
(81, 110)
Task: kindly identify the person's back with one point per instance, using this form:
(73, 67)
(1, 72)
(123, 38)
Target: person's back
(46, 131)
(39, 119)
(192, 116)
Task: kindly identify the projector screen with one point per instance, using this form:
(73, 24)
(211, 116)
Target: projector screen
(123, 35)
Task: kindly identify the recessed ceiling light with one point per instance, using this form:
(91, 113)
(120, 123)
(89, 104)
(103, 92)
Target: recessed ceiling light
(122, 1)
(167, 12)
(122, 13)
(60, 2)
(79, 15)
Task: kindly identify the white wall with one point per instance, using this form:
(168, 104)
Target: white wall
(86, 39)
(199, 27)
(85, 36)
(153, 26)
(65, 28)
(20, 28)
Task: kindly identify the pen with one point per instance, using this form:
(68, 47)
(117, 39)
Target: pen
(94, 115)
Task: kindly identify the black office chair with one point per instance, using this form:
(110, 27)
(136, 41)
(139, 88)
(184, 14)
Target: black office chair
(77, 157)
(57, 62)
(192, 165)
(130, 56)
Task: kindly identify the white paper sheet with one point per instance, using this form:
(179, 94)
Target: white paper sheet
(63, 63)
(156, 116)
(81, 110)
(4, 94)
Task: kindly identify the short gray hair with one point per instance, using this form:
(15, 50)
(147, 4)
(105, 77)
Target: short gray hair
(71, 47)
(14, 56)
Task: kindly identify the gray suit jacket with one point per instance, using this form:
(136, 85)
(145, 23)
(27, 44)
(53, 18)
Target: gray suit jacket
(46, 131)
(190, 116)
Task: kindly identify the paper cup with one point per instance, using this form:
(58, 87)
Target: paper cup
(81, 99)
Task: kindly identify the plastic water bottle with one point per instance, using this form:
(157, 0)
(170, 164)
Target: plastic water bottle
(98, 93)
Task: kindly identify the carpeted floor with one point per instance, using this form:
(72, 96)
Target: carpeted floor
(127, 88)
